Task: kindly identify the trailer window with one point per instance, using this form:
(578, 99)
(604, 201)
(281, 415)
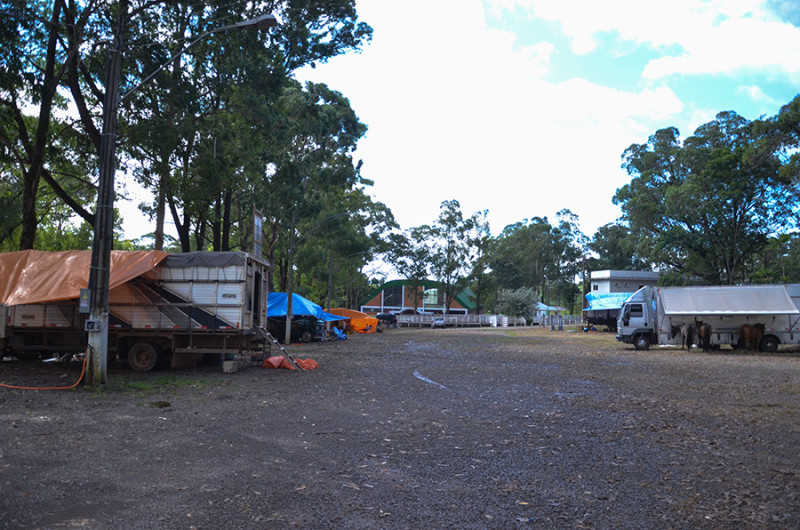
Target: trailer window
(636, 310)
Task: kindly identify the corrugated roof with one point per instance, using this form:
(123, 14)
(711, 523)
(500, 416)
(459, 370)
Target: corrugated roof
(741, 299)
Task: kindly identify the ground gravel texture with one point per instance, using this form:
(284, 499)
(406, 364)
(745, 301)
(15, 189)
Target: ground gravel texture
(413, 428)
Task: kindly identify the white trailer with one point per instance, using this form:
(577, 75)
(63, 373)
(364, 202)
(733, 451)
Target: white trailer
(650, 314)
(175, 312)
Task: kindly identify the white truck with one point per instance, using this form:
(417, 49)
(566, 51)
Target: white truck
(651, 314)
(164, 309)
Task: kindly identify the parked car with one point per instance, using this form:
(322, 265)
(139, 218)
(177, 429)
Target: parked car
(304, 328)
(387, 319)
(438, 322)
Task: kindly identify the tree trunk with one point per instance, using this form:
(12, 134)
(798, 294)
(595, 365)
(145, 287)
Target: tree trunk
(226, 220)
(161, 193)
(216, 225)
(32, 176)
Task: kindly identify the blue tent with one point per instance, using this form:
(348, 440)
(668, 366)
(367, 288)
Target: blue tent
(276, 307)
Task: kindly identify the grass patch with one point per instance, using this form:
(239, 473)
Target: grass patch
(161, 383)
(165, 382)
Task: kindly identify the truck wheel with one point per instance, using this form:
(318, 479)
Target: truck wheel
(641, 342)
(307, 336)
(142, 357)
(770, 344)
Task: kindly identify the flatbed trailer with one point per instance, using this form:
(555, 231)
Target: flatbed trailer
(175, 310)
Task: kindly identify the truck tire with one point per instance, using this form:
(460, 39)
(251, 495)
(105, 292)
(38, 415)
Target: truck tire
(142, 357)
(306, 336)
(770, 343)
(641, 342)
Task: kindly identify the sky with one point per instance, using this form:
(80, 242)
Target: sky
(524, 107)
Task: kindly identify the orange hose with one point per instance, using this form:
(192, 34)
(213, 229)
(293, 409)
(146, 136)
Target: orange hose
(83, 371)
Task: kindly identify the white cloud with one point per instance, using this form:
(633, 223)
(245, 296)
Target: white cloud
(717, 36)
(457, 110)
(755, 93)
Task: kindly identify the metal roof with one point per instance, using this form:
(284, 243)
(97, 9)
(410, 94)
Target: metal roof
(740, 299)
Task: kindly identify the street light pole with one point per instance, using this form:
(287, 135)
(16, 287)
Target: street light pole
(99, 274)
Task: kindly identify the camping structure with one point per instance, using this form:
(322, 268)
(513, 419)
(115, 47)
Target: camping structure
(309, 320)
(603, 308)
(358, 322)
(276, 307)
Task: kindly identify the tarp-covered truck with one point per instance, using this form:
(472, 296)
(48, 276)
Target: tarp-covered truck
(163, 308)
(649, 315)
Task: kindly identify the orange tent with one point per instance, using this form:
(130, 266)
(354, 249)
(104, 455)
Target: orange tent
(36, 276)
(359, 322)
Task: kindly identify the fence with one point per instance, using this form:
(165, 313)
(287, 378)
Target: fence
(500, 321)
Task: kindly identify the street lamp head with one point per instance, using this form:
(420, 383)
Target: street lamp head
(262, 22)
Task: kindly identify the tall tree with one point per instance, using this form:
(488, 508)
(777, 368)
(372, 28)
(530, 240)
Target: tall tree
(705, 207)
(50, 44)
(410, 256)
(453, 249)
(615, 247)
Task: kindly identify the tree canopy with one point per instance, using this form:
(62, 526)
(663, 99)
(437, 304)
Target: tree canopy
(705, 206)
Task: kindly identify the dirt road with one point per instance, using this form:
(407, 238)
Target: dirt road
(419, 428)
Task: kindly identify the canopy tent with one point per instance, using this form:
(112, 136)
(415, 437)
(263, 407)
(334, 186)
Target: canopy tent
(541, 309)
(37, 276)
(359, 322)
(277, 302)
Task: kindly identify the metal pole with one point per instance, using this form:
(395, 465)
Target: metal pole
(287, 339)
(97, 351)
(99, 274)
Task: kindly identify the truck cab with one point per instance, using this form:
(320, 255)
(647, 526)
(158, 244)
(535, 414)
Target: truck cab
(636, 322)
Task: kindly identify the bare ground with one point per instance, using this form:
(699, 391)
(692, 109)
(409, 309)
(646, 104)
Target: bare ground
(413, 428)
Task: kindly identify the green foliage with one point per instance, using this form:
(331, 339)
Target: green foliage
(615, 248)
(517, 302)
(203, 132)
(537, 255)
(705, 207)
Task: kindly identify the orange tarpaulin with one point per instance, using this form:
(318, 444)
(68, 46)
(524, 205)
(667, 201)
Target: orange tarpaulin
(359, 322)
(279, 361)
(36, 276)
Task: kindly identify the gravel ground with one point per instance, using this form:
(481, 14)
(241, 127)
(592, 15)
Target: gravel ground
(413, 428)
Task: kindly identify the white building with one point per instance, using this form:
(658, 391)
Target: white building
(609, 281)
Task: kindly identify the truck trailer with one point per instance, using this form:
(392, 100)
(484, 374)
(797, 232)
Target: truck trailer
(164, 309)
(651, 315)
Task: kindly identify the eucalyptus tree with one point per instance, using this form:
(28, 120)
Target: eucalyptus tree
(480, 277)
(779, 136)
(707, 206)
(312, 167)
(36, 51)
(54, 53)
(410, 255)
(452, 249)
(615, 247)
(535, 254)
(208, 173)
(346, 236)
(521, 254)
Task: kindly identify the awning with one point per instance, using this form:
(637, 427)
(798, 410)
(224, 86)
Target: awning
(716, 300)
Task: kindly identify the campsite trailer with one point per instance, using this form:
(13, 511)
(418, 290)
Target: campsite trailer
(162, 307)
(603, 309)
(648, 316)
